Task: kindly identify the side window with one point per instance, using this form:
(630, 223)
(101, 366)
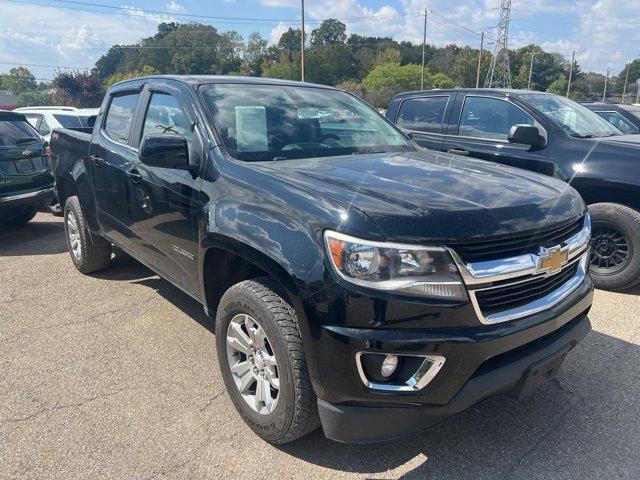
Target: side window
(618, 121)
(33, 119)
(120, 115)
(485, 117)
(44, 128)
(165, 116)
(422, 114)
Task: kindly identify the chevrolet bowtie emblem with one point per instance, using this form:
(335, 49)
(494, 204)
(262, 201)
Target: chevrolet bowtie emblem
(26, 153)
(551, 260)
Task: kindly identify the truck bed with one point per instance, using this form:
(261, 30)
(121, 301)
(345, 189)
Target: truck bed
(67, 147)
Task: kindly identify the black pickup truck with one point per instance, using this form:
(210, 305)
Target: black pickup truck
(547, 134)
(356, 281)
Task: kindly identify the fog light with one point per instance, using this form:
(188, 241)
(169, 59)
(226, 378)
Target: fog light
(389, 366)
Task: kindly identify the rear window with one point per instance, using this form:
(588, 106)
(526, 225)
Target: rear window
(68, 121)
(16, 132)
(120, 115)
(423, 114)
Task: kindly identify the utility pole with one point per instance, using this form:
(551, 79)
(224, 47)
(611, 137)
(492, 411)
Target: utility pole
(638, 91)
(302, 44)
(626, 80)
(424, 47)
(573, 59)
(499, 74)
(606, 82)
(533, 55)
(480, 59)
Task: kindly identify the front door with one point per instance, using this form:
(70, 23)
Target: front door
(483, 129)
(111, 160)
(166, 205)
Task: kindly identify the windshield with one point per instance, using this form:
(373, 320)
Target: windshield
(68, 121)
(17, 132)
(575, 119)
(276, 122)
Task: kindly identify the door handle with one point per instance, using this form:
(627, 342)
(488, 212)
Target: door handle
(134, 175)
(458, 151)
(98, 161)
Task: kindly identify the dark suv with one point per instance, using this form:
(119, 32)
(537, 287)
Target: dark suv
(547, 134)
(26, 180)
(616, 115)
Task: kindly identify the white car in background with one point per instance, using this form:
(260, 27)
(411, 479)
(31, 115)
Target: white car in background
(45, 119)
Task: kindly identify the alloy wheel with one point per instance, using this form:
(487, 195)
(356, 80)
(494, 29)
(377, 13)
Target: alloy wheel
(73, 232)
(610, 250)
(253, 364)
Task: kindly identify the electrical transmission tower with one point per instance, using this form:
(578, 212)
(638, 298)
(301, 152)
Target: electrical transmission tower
(499, 75)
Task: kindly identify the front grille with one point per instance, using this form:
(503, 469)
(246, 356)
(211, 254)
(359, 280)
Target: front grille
(520, 244)
(504, 298)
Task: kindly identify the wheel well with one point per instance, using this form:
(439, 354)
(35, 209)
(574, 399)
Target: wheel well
(597, 194)
(65, 189)
(222, 269)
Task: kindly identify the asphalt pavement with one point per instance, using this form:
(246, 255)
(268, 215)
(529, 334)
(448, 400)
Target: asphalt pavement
(114, 375)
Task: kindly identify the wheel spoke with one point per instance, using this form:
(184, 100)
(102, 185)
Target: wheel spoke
(238, 340)
(241, 368)
(246, 381)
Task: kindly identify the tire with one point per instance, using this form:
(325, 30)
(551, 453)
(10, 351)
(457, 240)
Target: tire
(87, 256)
(256, 304)
(54, 208)
(615, 246)
(19, 220)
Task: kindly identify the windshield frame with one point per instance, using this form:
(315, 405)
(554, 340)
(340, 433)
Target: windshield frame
(610, 130)
(408, 144)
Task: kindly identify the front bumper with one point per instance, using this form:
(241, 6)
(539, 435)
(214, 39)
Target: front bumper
(481, 360)
(18, 203)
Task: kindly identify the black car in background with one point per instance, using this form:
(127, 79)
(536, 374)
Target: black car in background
(616, 115)
(26, 180)
(548, 134)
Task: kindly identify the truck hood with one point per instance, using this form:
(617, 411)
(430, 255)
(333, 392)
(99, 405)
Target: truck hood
(416, 196)
(629, 141)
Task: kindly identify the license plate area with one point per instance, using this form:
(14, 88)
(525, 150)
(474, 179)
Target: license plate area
(539, 373)
(24, 166)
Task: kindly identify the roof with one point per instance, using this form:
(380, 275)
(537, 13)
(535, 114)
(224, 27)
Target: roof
(203, 79)
(47, 109)
(11, 115)
(503, 91)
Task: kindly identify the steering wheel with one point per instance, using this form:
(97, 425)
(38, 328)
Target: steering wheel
(304, 145)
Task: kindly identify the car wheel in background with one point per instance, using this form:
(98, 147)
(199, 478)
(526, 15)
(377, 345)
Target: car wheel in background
(54, 208)
(262, 362)
(615, 246)
(86, 256)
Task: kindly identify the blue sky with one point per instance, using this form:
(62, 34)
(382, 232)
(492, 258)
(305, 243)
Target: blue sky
(55, 33)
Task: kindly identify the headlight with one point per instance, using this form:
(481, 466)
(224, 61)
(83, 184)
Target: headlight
(409, 269)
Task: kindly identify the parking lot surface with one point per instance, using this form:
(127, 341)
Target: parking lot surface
(114, 375)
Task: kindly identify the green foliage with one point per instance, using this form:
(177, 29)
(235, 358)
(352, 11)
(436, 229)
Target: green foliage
(19, 80)
(330, 32)
(35, 98)
(77, 89)
(285, 68)
(118, 77)
(388, 55)
(558, 86)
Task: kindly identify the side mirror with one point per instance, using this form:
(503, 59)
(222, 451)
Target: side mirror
(165, 151)
(526, 135)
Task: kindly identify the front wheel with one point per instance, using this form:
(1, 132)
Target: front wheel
(262, 362)
(615, 246)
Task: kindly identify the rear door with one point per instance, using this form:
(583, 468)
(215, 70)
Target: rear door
(422, 118)
(481, 130)
(166, 202)
(23, 164)
(111, 160)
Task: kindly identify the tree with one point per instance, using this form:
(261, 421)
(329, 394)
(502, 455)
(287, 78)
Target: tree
(19, 80)
(330, 32)
(558, 86)
(35, 98)
(108, 63)
(77, 89)
(388, 55)
(118, 77)
(285, 68)
(465, 67)
(386, 80)
(634, 74)
(254, 53)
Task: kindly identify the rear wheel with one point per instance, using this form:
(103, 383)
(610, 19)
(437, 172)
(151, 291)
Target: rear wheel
(86, 256)
(54, 208)
(19, 220)
(262, 362)
(615, 246)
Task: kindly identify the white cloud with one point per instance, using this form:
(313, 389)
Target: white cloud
(175, 7)
(278, 30)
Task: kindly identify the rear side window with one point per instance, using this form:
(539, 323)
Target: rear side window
(16, 132)
(68, 121)
(423, 114)
(120, 116)
(618, 121)
(485, 117)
